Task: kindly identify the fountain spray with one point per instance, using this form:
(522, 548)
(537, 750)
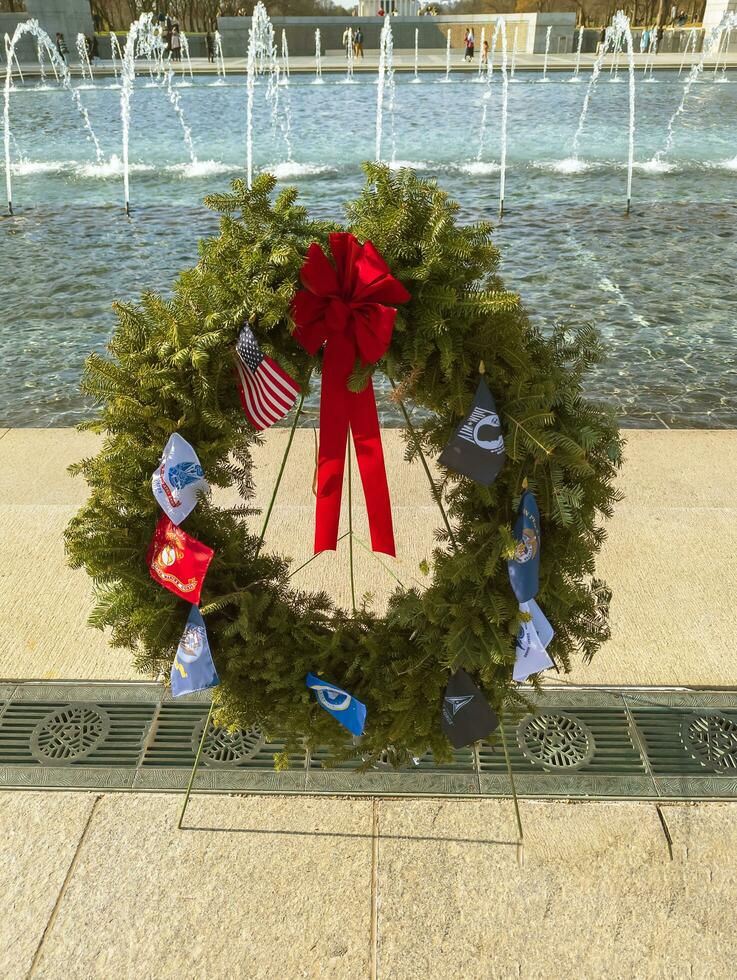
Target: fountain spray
(417, 53)
(614, 67)
(547, 49)
(318, 59)
(84, 57)
(481, 52)
(115, 47)
(625, 32)
(726, 37)
(728, 21)
(514, 50)
(13, 56)
(690, 42)
(492, 49)
(127, 76)
(380, 90)
(503, 133)
(185, 52)
(284, 58)
(349, 57)
(40, 56)
(447, 58)
(32, 27)
(651, 52)
(578, 54)
(219, 60)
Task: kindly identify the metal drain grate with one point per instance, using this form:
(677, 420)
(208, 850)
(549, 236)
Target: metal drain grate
(579, 743)
(712, 739)
(555, 741)
(69, 734)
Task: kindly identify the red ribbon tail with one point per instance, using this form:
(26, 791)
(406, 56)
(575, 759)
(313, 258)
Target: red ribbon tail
(334, 424)
(364, 421)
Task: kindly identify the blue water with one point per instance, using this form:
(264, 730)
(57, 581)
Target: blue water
(659, 283)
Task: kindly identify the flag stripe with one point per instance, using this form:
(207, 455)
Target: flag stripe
(272, 397)
(263, 412)
(269, 405)
(273, 379)
(282, 377)
(252, 408)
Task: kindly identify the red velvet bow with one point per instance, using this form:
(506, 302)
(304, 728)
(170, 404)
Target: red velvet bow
(345, 307)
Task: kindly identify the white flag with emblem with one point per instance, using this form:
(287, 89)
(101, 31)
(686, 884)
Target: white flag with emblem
(178, 481)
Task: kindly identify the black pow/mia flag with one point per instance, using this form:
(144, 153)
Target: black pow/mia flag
(467, 715)
(477, 448)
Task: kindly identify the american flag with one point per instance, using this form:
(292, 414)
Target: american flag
(267, 392)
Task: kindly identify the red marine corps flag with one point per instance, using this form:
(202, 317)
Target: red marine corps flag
(267, 392)
(178, 561)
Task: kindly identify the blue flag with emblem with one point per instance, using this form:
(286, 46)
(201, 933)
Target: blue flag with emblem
(524, 566)
(339, 703)
(193, 668)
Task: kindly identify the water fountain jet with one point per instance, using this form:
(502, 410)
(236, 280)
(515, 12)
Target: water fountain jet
(32, 27)
(318, 59)
(417, 54)
(578, 55)
(219, 60)
(547, 49)
(84, 58)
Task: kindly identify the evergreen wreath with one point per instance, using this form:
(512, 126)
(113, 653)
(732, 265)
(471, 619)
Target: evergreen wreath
(170, 369)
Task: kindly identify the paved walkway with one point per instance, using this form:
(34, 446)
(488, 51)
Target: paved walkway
(431, 59)
(280, 887)
(667, 558)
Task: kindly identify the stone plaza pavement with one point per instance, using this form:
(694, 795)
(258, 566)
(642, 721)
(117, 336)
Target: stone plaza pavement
(106, 887)
(103, 885)
(668, 558)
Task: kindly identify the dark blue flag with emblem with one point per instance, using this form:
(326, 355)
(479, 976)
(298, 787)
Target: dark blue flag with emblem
(193, 668)
(467, 715)
(477, 448)
(524, 566)
(350, 712)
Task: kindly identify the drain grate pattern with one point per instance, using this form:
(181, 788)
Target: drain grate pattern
(555, 741)
(578, 743)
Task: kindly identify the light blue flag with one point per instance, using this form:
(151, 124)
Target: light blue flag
(532, 641)
(341, 705)
(193, 668)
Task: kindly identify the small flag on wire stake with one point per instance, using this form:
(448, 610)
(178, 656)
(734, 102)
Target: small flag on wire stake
(178, 482)
(267, 392)
(467, 715)
(349, 711)
(193, 668)
(477, 447)
(532, 641)
(178, 561)
(524, 566)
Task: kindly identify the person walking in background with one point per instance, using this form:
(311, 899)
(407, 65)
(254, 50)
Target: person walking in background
(644, 41)
(176, 44)
(210, 45)
(485, 53)
(347, 41)
(470, 41)
(61, 47)
(359, 43)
